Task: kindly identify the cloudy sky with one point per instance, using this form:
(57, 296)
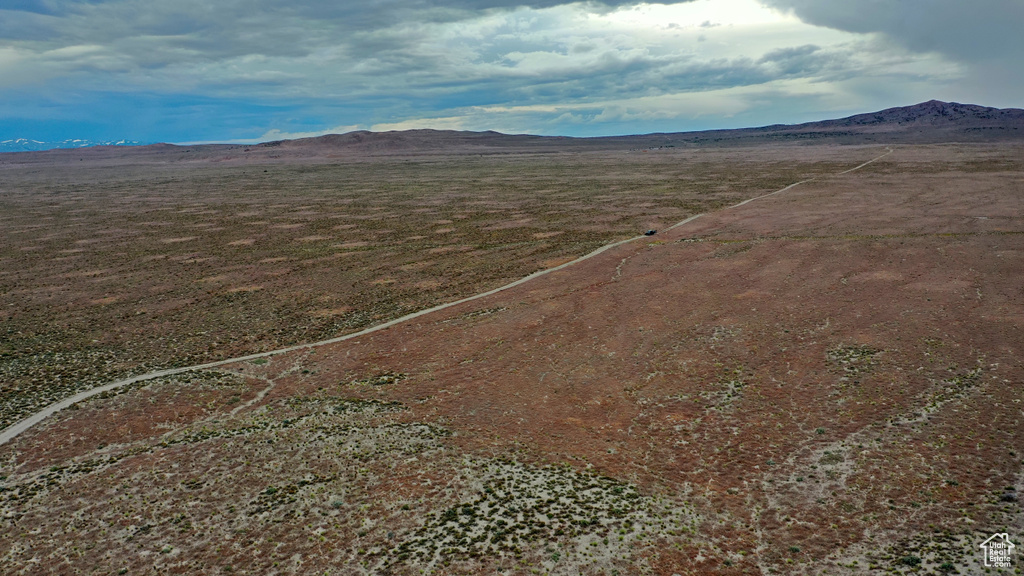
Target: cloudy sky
(250, 70)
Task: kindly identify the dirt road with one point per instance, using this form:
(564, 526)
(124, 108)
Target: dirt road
(21, 426)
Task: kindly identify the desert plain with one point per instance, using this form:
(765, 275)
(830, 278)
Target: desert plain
(823, 380)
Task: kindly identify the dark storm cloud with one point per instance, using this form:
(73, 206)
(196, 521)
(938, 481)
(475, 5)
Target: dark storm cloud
(190, 16)
(387, 48)
(623, 76)
(197, 29)
(803, 60)
(967, 31)
(401, 63)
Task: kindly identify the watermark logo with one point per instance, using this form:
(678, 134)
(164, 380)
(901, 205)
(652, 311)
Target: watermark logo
(998, 551)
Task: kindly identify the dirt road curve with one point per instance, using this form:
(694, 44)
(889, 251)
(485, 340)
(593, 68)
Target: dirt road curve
(21, 426)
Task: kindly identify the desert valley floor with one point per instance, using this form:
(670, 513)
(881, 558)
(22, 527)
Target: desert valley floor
(827, 380)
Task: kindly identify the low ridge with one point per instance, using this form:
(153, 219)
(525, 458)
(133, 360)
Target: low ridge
(925, 123)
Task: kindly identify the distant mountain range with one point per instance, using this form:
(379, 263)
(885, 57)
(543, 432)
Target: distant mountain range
(27, 145)
(924, 123)
(929, 122)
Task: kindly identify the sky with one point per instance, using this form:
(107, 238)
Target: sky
(258, 70)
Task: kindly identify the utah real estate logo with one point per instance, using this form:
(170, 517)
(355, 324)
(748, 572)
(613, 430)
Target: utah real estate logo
(998, 551)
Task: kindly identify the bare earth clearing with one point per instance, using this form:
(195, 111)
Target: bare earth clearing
(824, 381)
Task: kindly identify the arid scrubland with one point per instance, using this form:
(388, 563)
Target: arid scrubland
(823, 381)
(109, 271)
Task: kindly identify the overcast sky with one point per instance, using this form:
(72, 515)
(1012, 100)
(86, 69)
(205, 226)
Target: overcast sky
(235, 70)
